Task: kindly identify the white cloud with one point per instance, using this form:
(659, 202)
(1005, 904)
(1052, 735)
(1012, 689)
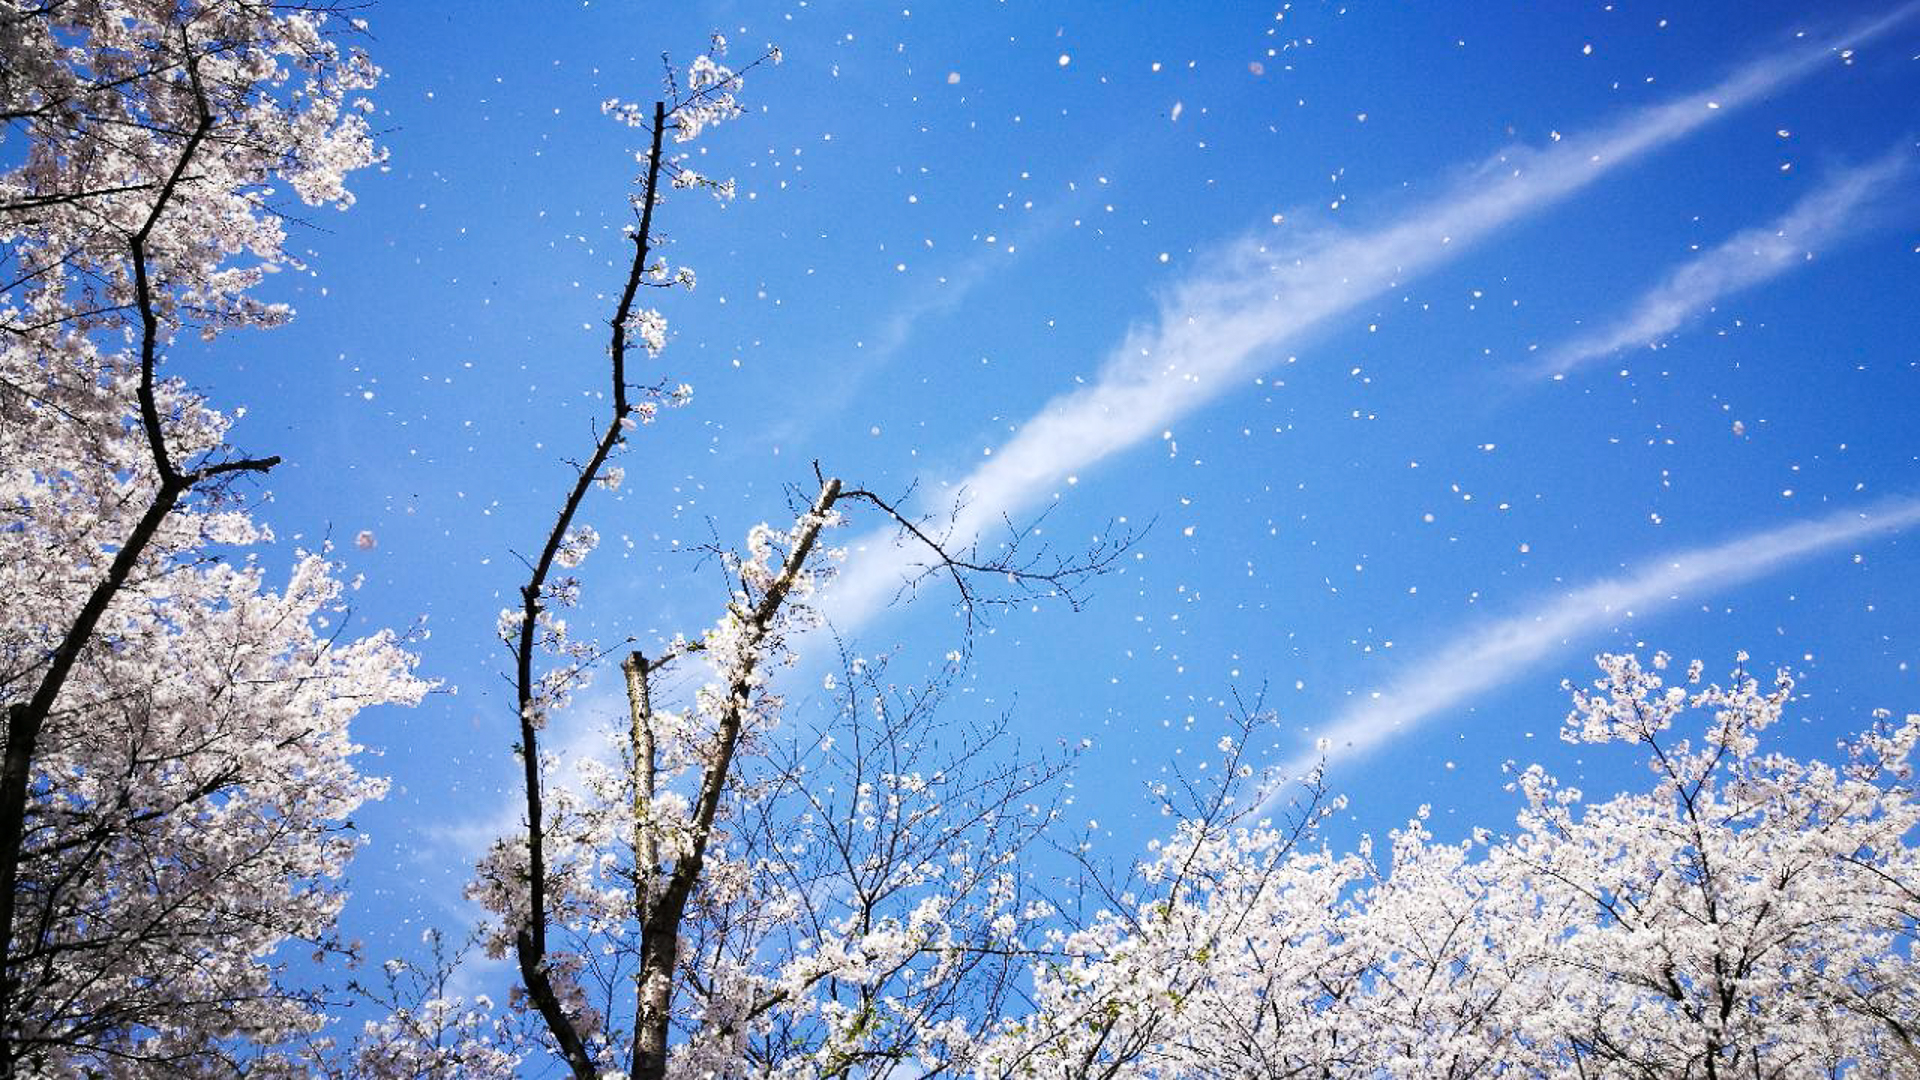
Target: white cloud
(1261, 293)
(1748, 258)
(1496, 653)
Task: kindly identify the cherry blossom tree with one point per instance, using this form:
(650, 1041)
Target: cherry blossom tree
(724, 893)
(1749, 915)
(178, 775)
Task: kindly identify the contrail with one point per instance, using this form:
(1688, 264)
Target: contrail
(1748, 258)
(1497, 653)
(1262, 293)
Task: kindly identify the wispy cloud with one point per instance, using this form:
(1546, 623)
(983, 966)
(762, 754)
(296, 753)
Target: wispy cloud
(934, 297)
(942, 289)
(1498, 652)
(1260, 293)
(584, 731)
(1748, 258)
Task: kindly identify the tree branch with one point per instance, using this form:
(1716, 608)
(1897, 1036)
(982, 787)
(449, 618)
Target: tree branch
(532, 939)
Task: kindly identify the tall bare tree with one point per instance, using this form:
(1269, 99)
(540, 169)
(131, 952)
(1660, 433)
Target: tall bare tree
(845, 894)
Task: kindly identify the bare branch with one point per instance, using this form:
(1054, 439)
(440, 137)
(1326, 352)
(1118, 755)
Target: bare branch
(1029, 571)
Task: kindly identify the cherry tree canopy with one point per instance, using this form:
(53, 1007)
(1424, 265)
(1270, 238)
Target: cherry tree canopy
(179, 779)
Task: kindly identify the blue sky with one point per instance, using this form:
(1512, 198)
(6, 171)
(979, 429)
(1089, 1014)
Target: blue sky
(1443, 345)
